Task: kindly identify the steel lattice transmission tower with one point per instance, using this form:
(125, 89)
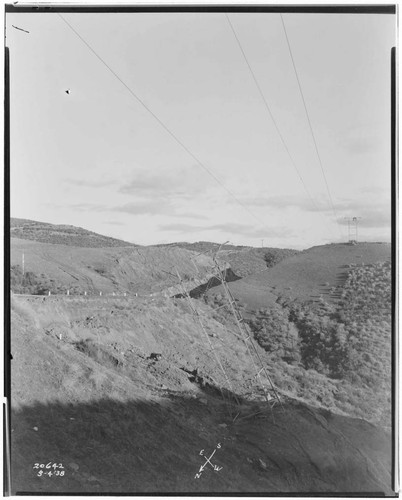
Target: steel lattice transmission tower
(352, 223)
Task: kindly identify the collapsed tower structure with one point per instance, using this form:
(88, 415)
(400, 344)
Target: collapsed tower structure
(262, 376)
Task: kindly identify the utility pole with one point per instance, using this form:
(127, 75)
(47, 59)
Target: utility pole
(23, 264)
(348, 219)
(262, 243)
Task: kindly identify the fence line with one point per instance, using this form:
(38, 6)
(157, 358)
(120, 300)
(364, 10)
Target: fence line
(85, 294)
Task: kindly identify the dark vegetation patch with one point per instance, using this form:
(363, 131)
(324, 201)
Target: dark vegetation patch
(273, 256)
(98, 353)
(248, 261)
(338, 356)
(36, 284)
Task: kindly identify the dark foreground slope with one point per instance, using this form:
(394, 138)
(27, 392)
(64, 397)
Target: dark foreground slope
(87, 393)
(153, 445)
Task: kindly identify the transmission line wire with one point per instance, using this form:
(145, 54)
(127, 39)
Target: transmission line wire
(161, 123)
(270, 112)
(309, 121)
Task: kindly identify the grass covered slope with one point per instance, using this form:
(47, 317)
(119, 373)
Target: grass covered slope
(243, 260)
(248, 261)
(88, 393)
(333, 350)
(307, 275)
(61, 234)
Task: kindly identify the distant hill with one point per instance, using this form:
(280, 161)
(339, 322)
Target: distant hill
(246, 261)
(243, 260)
(202, 246)
(62, 234)
(306, 275)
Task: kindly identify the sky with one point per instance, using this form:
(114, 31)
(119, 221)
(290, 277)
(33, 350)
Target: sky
(171, 131)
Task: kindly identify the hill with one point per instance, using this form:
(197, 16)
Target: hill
(331, 345)
(88, 394)
(65, 258)
(141, 270)
(243, 260)
(44, 232)
(107, 385)
(306, 275)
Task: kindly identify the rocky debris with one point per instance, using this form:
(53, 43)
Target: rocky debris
(156, 356)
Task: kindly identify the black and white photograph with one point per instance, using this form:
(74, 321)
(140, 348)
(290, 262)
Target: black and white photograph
(200, 248)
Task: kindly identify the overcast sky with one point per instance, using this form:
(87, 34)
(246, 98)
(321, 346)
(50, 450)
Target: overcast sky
(96, 158)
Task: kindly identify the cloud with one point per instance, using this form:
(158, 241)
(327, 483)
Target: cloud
(373, 219)
(277, 202)
(177, 183)
(360, 140)
(360, 145)
(87, 207)
(229, 228)
(281, 202)
(182, 228)
(89, 183)
(142, 207)
(374, 210)
(156, 207)
(147, 207)
(247, 230)
(114, 223)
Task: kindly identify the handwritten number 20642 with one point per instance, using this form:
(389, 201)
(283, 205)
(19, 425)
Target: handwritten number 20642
(49, 465)
(49, 469)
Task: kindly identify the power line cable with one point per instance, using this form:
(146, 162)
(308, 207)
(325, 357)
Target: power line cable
(309, 122)
(161, 123)
(270, 112)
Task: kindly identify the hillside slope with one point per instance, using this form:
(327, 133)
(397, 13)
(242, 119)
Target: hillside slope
(61, 234)
(306, 275)
(244, 261)
(88, 393)
(140, 270)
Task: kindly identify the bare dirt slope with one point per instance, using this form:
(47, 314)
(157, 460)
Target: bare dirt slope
(118, 269)
(88, 393)
(306, 275)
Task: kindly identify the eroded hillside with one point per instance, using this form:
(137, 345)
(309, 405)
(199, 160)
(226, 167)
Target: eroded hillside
(90, 391)
(142, 270)
(127, 374)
